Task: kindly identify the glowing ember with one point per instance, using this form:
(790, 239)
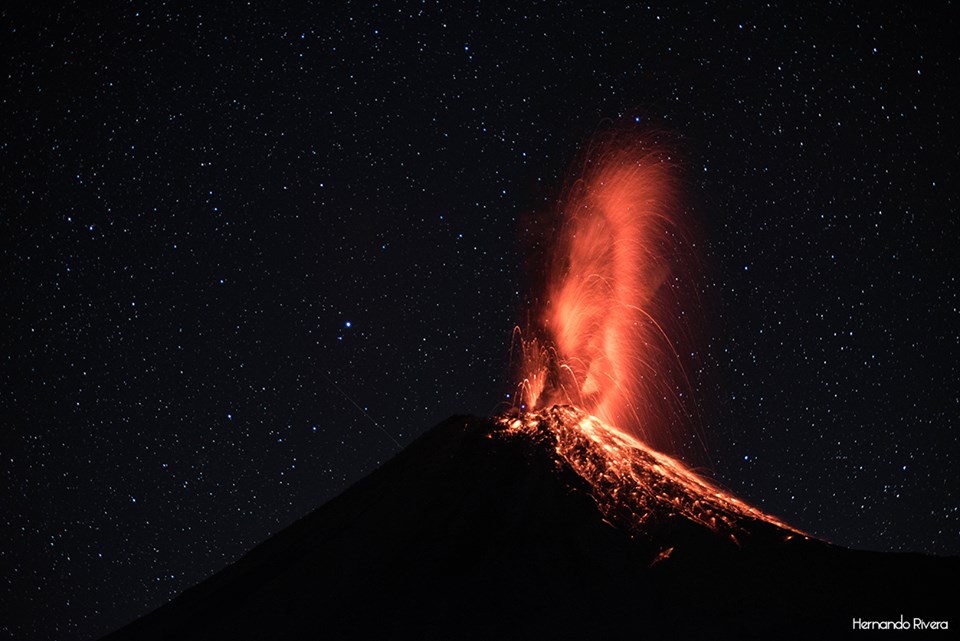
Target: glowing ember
(599, 340)
(629, 481)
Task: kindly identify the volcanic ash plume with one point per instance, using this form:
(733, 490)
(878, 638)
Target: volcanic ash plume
(602, 336)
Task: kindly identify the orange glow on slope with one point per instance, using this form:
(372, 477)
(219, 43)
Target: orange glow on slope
(630, 482)
(600, 338)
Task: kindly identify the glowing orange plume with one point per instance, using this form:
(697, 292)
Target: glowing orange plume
(601, 338)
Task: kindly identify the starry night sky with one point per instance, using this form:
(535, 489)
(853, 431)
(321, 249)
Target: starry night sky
(247, 253)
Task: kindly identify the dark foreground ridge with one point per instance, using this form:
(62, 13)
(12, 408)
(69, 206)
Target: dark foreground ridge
(474, 533)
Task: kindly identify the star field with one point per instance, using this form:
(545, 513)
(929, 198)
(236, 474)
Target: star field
(249, 252)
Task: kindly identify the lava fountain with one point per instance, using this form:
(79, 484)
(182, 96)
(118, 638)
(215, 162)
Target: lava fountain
(613, 293)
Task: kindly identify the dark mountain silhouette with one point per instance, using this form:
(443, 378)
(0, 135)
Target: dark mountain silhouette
(487, 529)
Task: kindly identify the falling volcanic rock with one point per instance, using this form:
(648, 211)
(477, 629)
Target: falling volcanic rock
(527, 527)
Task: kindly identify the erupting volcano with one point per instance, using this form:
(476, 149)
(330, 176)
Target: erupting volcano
(562, 518)
(599, 368)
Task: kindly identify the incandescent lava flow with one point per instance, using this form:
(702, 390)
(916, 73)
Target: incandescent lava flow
(600, 372)
(635, 487)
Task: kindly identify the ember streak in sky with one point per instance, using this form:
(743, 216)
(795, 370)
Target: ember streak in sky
(618, 271)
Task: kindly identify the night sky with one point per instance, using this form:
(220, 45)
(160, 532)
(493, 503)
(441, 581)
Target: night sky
(248, 253)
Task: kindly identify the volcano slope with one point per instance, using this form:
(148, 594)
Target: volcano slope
(543, 526)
